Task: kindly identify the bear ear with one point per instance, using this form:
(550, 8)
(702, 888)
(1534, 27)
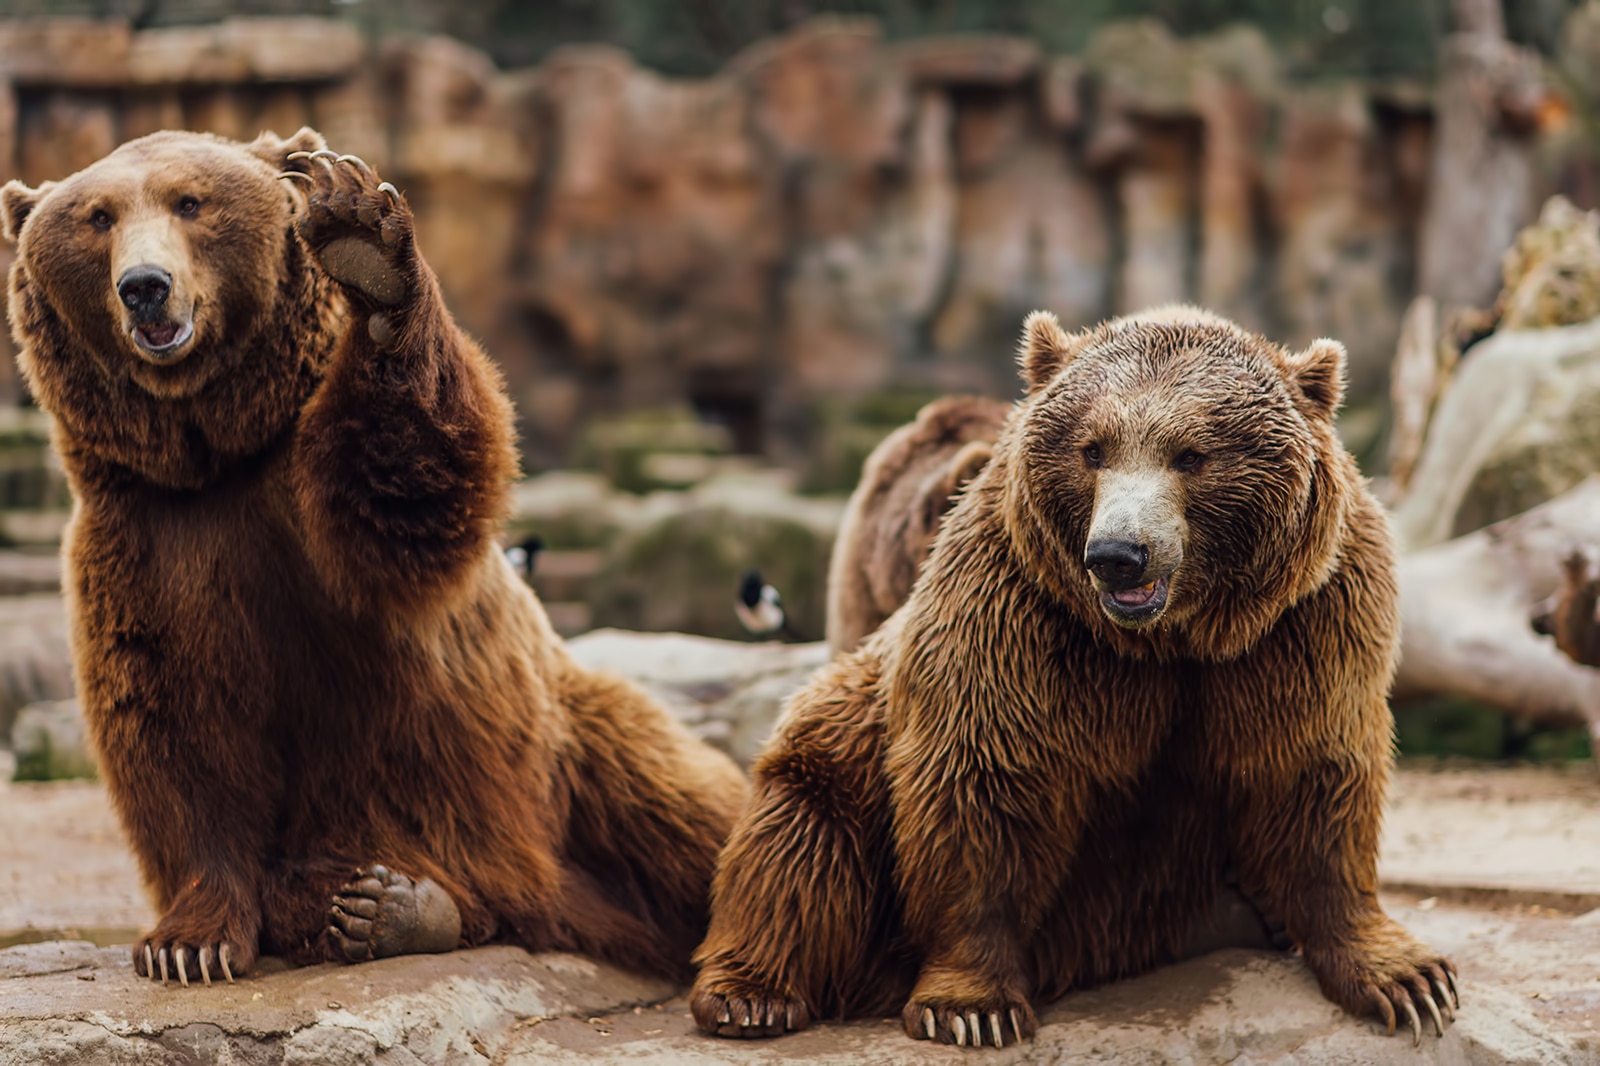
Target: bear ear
(275, 150)
(1319, 373)
(973, 457)
(17, 202)
(1046, 348)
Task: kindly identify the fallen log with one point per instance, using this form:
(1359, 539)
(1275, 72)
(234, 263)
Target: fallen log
(1469, 605)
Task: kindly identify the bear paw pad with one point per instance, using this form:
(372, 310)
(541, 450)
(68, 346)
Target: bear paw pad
(359, 228)
(382, 913)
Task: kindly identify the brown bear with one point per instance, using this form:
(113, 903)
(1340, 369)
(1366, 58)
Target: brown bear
(907, 485)
(334, 722)
(1153, 643)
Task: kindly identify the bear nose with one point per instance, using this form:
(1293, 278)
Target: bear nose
(144, 289)
(1118, 563)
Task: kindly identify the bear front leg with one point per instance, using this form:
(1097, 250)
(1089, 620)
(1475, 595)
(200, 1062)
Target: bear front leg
(196, 797)
(1307, 848)
(802, 922)
(405, 453)
(979, 855)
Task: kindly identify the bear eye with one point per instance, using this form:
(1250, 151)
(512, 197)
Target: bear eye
(1188, 461)
(1093, 456)
(100, 220)
(188, 206)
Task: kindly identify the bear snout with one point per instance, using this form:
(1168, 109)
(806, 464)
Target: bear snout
(160, 331)
(144, 289)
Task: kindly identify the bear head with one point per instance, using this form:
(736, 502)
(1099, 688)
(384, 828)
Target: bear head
(163, 278)
(1176, 478)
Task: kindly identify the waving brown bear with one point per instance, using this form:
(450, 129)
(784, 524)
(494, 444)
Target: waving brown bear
(1154, 639)
(334, 723)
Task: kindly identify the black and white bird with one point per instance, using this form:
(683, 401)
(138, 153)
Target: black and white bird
(524, 555)
(759, 607)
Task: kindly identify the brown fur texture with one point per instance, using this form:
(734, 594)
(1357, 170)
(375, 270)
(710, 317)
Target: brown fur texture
(298, 646)
(1016, 787)
(907, 484)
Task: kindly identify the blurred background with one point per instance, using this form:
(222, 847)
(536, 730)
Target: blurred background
(721, 247)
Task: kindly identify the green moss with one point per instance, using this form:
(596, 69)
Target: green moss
(44, 763)
(620, 446)
(1445, 727)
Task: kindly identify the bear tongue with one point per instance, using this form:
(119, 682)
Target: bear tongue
(1135, 597)
(161, 334)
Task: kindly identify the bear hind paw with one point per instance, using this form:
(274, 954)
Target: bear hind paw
(381, 913)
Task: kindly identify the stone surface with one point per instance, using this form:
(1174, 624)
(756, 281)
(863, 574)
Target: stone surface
(1513, 835)
(729, 694)
(1523, 1002)
(1491, 94)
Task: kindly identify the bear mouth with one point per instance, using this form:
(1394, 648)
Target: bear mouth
(164, 341)
(1135, 606)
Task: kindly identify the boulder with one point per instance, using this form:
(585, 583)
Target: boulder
(728, 693)
(50, 743)
(679, 571)
(35, 658)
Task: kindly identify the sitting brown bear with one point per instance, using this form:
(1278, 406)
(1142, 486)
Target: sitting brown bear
(1154, 640)
(334, 722)
(907, 484)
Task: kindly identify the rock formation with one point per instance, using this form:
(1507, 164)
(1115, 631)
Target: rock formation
(832, 216)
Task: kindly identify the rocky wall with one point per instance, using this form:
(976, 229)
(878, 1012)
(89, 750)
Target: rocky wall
(834, 215)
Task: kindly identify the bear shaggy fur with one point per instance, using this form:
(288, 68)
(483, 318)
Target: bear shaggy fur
(907, 484)
(300, 652)
(1153, 642)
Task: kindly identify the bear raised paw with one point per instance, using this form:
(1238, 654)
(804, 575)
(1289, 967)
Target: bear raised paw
(1149, 654)
(361, 230)
(301, 651)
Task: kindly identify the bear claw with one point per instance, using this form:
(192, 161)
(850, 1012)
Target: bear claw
(971, 1027)
(359, 229)
(1400, 997)
(161, 964)
(746, 1010)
